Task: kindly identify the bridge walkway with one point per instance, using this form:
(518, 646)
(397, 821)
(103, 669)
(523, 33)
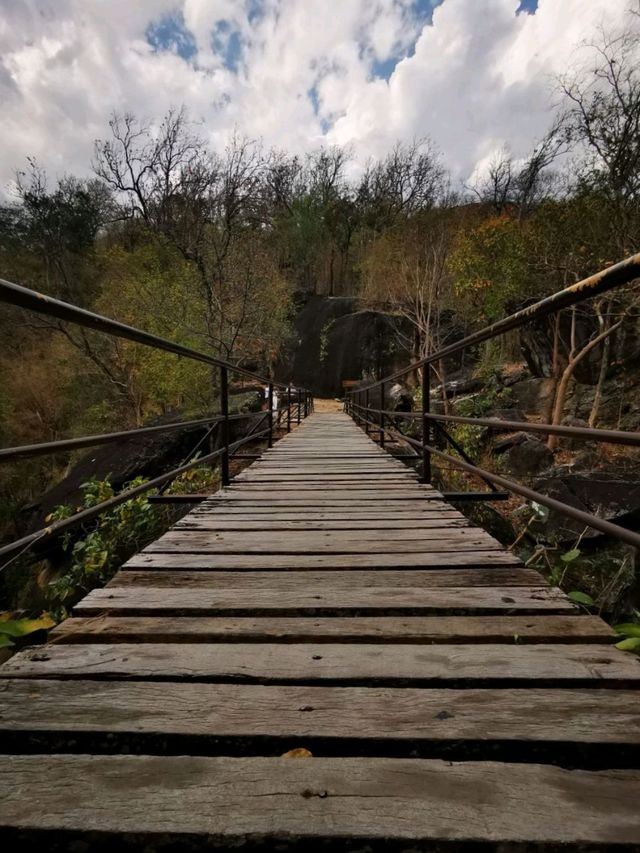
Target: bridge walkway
(324, 651)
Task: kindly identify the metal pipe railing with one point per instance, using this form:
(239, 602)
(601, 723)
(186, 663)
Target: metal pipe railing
(92, 512)
(592, 521)
(39, 303)
(606, 436)
(595, 285)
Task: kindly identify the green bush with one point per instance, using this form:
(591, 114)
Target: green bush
(98, 549)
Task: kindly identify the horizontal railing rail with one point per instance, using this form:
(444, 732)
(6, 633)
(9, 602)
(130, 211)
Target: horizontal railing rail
(89, 514)
(383, 421)
(298, 400)
(615, 276)
(606, 436)
(40, 303)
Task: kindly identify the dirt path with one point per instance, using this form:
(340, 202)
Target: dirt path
(323, 405)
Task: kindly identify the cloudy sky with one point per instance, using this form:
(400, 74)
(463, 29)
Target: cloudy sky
(473, 74)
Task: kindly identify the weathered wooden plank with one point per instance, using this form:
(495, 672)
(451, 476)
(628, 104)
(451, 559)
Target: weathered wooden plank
(189, 601)
(352, 499)
(464, 665)
(349, 714)
(301, 562)
(375, 513)
(327, 468)
(381, 486)
(214, 542)
(224, 801)
(212, 521)
(352, 579)
(378, 629)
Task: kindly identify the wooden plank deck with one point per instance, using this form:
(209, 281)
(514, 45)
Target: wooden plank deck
(444, 696)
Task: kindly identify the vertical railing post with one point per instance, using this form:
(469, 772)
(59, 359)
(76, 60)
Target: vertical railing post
(426, 427)
(306, 403)
(382, 414)
(289, 407)
(366, 414)
(224, 426)
(270, 418)
(299, 402)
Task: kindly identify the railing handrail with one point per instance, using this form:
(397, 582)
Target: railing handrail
(32, 300)
(595, 285)
(90, 513)
(606, 436)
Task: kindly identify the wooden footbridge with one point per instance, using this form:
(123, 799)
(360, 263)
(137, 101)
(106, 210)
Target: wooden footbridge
(324, 654)
(324, 651)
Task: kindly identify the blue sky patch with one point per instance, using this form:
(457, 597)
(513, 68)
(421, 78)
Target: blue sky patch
(227, 44)
(422, 12)
(423, 9)
(312, 94)
(385, 68)
(255, 10)
(170, 33)
(529, 6)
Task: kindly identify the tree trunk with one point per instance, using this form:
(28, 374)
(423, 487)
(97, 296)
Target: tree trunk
(568, 373)
(602, 375)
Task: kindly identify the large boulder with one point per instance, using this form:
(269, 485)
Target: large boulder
(528, 456)
(334, 341)
(608, 496)
(533, 396)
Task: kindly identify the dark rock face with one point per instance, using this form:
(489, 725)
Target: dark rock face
(528, 456)
(605, 495)
(533, 395)
(335, 342)
(400, 398)
(142, 456)
(500, 445)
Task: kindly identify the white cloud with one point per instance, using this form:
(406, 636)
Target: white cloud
(297, 72)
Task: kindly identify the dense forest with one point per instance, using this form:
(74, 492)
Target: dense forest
(220, 249)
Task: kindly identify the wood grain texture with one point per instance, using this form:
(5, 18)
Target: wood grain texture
(301, 562)
(185, 541)
(216, 522)
(224, 800)
(192, 601)
(485, 665)
(344, 713)
(375, 629)
(353, 579)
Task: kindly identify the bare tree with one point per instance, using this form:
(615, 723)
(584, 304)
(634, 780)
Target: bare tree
(409, 179)
(602, 121)
(204, 204)
(519, 186)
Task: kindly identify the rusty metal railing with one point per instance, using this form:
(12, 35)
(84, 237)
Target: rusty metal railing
(299, 403)
(382, 420)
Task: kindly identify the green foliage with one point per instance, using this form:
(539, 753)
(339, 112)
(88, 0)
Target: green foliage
(580, 598)
(97, 552)
(12, 628)
(490, 266)
(479, 405)
(631, 632)
(101, 546)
